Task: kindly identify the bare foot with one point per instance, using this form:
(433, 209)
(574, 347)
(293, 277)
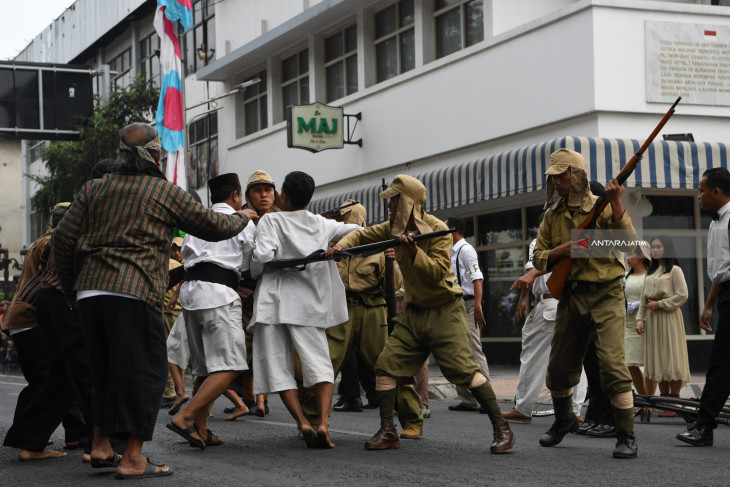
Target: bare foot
(179, 401)
(86, 458)
(323, 438)
(237, 413)
(29, 456)
(310, 437)
(137, 468)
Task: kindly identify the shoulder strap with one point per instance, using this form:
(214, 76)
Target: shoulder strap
(458, 268)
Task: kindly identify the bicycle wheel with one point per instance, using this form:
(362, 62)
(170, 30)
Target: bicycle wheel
(544, 404)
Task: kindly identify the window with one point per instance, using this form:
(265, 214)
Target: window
(340, 63)
(203, 151)
(395, 45)
(200, 40)
(121, 69)
(149, 55)
(295, 79)
(459, 24)
(254, 106)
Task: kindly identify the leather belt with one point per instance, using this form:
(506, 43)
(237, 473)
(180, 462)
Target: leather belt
(209, 272)
(541, 297)
(354, 301)
(468, 298)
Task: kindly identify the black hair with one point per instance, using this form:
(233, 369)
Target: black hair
(299, 188)
(597, 188)
(104, 166)
(647, 262)
(224, 194)
(458, 223)
(669, 257)
(718, 177)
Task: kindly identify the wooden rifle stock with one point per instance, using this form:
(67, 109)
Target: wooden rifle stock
(389, 274)
(557, 280)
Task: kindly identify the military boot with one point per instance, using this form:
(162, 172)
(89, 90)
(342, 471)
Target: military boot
(384, 439)
(504, 440)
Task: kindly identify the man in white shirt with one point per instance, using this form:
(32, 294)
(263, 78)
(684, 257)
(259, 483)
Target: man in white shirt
(293, 307)
(714, 195)
(212, 313)
(465, 262)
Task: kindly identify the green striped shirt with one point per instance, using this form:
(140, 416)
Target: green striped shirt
(116, 235)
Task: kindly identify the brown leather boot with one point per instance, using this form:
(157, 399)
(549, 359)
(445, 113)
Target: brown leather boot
(385, 438)
(504, 440)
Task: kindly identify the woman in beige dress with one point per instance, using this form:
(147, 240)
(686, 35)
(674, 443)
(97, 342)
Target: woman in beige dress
(639, 262)
(660, 320)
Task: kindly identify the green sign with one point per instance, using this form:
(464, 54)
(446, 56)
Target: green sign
(314, 127)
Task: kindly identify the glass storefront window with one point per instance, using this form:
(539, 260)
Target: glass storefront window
(498, 228)
(501, 267)
(670, 212)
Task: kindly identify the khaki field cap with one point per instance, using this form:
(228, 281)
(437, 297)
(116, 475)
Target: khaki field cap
(177, 241)
(412, 194)
(580, 191)
(259, 177)
(358, 214)
(408, 185)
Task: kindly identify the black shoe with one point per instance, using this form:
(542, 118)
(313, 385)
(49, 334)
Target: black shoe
(340, 402)
(558, 430)
(602, 431)
(229, 410)
(625, 445)
(697, 435)
(350, 406)
(167, 402)
(463, 407)
(266, 406)
(583, 429)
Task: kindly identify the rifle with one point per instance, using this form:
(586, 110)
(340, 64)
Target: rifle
(389, 273)
(336, 212)
(556, 281)
(362, 250)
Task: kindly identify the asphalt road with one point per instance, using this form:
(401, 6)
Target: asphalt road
(453, 451)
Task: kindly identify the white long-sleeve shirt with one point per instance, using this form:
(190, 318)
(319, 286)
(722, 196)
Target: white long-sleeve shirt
(228, 254)
(312, 297)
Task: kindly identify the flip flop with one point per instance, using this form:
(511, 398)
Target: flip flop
(149, 471)
(176, 406)
(187, 434)
(209, 440)
(110, 462)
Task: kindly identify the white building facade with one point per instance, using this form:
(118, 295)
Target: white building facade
(472, 96)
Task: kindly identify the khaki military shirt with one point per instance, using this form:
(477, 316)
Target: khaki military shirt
(428, 278)
(555, 230)
(365, 276)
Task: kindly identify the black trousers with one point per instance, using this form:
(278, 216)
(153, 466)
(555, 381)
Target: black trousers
(599, 406)
(356, 371)
(717, 381)
(64, 327)
(47, 400)
(128, 355)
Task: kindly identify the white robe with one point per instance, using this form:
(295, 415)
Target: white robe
(312, 297)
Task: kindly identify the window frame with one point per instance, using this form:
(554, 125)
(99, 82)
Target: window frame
(397, 34)
(342, 58)
(298, 78)
(461, 5)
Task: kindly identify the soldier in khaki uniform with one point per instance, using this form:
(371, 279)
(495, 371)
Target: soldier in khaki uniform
(434, 320)
(363, 278)
(592, 304)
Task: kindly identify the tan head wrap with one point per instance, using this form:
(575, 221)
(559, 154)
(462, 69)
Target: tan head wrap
(142, 150)
(358, 214)
(412, 198)
(580, 191)
(57, 213)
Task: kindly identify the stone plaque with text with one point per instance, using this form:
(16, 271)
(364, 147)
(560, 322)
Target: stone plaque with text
(688, 60)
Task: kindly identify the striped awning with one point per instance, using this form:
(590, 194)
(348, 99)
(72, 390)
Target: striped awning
(666, 164)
